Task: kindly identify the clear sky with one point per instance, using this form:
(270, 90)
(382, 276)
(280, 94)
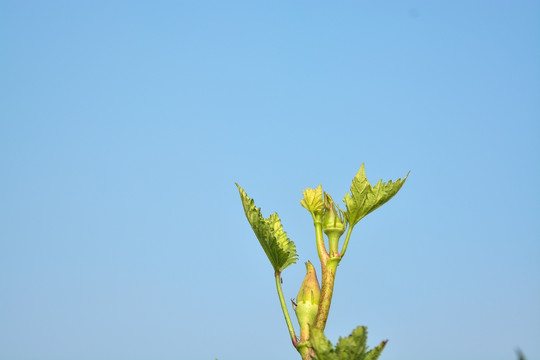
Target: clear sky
(125, 124)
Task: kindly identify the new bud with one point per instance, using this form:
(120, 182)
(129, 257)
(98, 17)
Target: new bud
(333, 223)
(307, 301)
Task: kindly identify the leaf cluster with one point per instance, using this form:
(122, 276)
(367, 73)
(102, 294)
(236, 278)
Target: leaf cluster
(280, 250)
(362, 199)
(353, 347)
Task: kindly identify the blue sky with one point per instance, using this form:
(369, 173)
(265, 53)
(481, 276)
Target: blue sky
(124, 126)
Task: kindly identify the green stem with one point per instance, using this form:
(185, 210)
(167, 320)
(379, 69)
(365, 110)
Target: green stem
(328, 276)
(305, 350)
(294, 339)
(346, 242)
(333, 241)
(321, 248)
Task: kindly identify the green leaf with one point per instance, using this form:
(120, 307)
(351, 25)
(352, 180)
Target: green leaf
(374, 353)
(321, 345)
(364, 199)
(280, 250)
(353, 347)
(313, 201)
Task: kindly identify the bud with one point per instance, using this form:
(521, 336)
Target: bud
(307, 301)
(333, 223)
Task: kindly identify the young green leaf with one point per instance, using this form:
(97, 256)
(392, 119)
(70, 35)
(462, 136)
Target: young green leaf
(313, 202)
(364, 199)
(322, 347)
(353, 347)
(280, 250)
(374, 353)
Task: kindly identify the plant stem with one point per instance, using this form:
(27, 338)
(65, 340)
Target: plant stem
(328, 276)
(346, 242)
(333, 241)
(305, 350)
(294, 339)
(321, 248)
